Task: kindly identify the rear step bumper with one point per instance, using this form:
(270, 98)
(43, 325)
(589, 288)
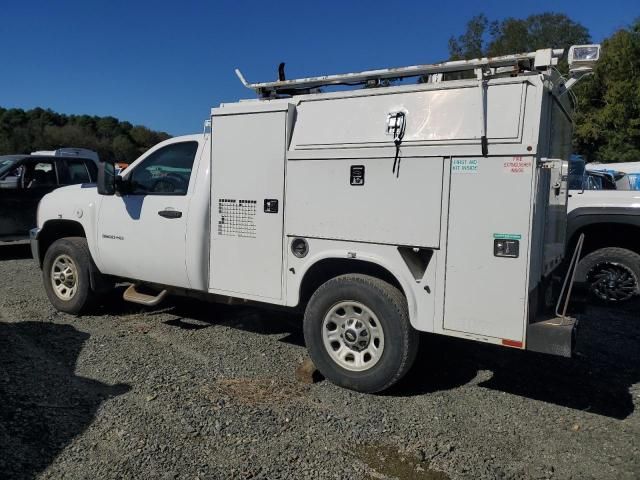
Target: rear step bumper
(556, 336)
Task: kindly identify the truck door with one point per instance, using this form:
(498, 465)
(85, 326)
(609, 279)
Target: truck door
(248, 161)
(141, 233)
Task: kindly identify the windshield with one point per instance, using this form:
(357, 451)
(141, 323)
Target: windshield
(601, 181)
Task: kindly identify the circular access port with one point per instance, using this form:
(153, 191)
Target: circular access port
(299, 247)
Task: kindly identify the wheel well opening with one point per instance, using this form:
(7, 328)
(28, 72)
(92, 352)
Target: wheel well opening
(330, 268)
(609, 234)
(56, 229)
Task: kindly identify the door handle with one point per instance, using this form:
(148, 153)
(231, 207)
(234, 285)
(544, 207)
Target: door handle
(170, 213)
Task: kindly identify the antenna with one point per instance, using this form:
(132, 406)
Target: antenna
(241, 77)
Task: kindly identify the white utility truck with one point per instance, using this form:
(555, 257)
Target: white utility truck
(434, 206)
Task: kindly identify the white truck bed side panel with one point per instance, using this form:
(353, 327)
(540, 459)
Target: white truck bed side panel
(421, 301)
(402, 210)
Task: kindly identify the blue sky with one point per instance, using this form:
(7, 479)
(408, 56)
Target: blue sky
(163, 63)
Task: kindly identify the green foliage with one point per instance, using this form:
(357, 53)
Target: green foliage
(607, 122)
(471, 44)
(38, 129)
(608, 118)
(515, 35)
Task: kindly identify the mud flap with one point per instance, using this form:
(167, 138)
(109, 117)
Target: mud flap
(99, 282)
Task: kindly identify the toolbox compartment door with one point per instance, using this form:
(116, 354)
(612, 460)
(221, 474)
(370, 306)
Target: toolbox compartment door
(487, 294)
(247, 203)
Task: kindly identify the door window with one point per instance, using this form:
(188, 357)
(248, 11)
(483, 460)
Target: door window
(166, 171)
(93, 169)
(78, 172)
(10, 178)
(40, 173)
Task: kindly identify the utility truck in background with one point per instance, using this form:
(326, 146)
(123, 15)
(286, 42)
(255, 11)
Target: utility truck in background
(436, 206)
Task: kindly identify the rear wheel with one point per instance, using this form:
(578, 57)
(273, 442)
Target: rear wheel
(611, 274)
(65, 272)
(358, 333)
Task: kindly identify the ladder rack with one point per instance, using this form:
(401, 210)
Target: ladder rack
(542, 59)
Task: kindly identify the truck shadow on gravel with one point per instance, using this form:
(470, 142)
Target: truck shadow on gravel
(44, 404)
(596, 380)
(194, 315)
(14, 251)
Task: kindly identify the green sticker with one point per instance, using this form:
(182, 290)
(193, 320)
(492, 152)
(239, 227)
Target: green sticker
(507, 236)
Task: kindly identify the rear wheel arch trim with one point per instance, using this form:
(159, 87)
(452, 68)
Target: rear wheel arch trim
(342, 256)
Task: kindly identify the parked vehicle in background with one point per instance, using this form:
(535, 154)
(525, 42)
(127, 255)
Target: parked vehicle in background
(630, 169)
(597, 180)
(610, 219)
(70, 152)
(25, 179)
(607, 180)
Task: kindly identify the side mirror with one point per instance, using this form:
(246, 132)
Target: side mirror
(106, 177)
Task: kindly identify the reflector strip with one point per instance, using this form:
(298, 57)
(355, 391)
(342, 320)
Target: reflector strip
(511, 343)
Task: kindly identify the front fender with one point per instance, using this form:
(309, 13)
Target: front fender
(585, 216)
(75, 204)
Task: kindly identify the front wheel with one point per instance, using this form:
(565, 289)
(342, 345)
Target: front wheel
(358, 334)
(65, 272)
(611, 274)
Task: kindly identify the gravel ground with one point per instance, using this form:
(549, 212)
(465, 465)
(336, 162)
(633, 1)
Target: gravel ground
(198, 391)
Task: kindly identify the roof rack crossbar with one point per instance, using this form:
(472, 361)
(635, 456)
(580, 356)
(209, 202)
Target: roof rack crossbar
(288, 86)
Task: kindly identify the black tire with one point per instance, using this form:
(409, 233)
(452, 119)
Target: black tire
(84, 299)
(389, 306)
(611, 274)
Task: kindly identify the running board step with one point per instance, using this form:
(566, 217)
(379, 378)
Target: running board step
(555, 336)
(132, 295)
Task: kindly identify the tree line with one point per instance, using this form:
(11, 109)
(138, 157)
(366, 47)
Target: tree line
(24, 131)
(607, 120)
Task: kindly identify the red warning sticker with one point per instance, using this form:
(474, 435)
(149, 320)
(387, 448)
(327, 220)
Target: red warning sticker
(517, 165)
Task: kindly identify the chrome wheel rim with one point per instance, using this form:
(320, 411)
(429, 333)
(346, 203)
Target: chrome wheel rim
(612, 282)
(353, 336)
(64, 277)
